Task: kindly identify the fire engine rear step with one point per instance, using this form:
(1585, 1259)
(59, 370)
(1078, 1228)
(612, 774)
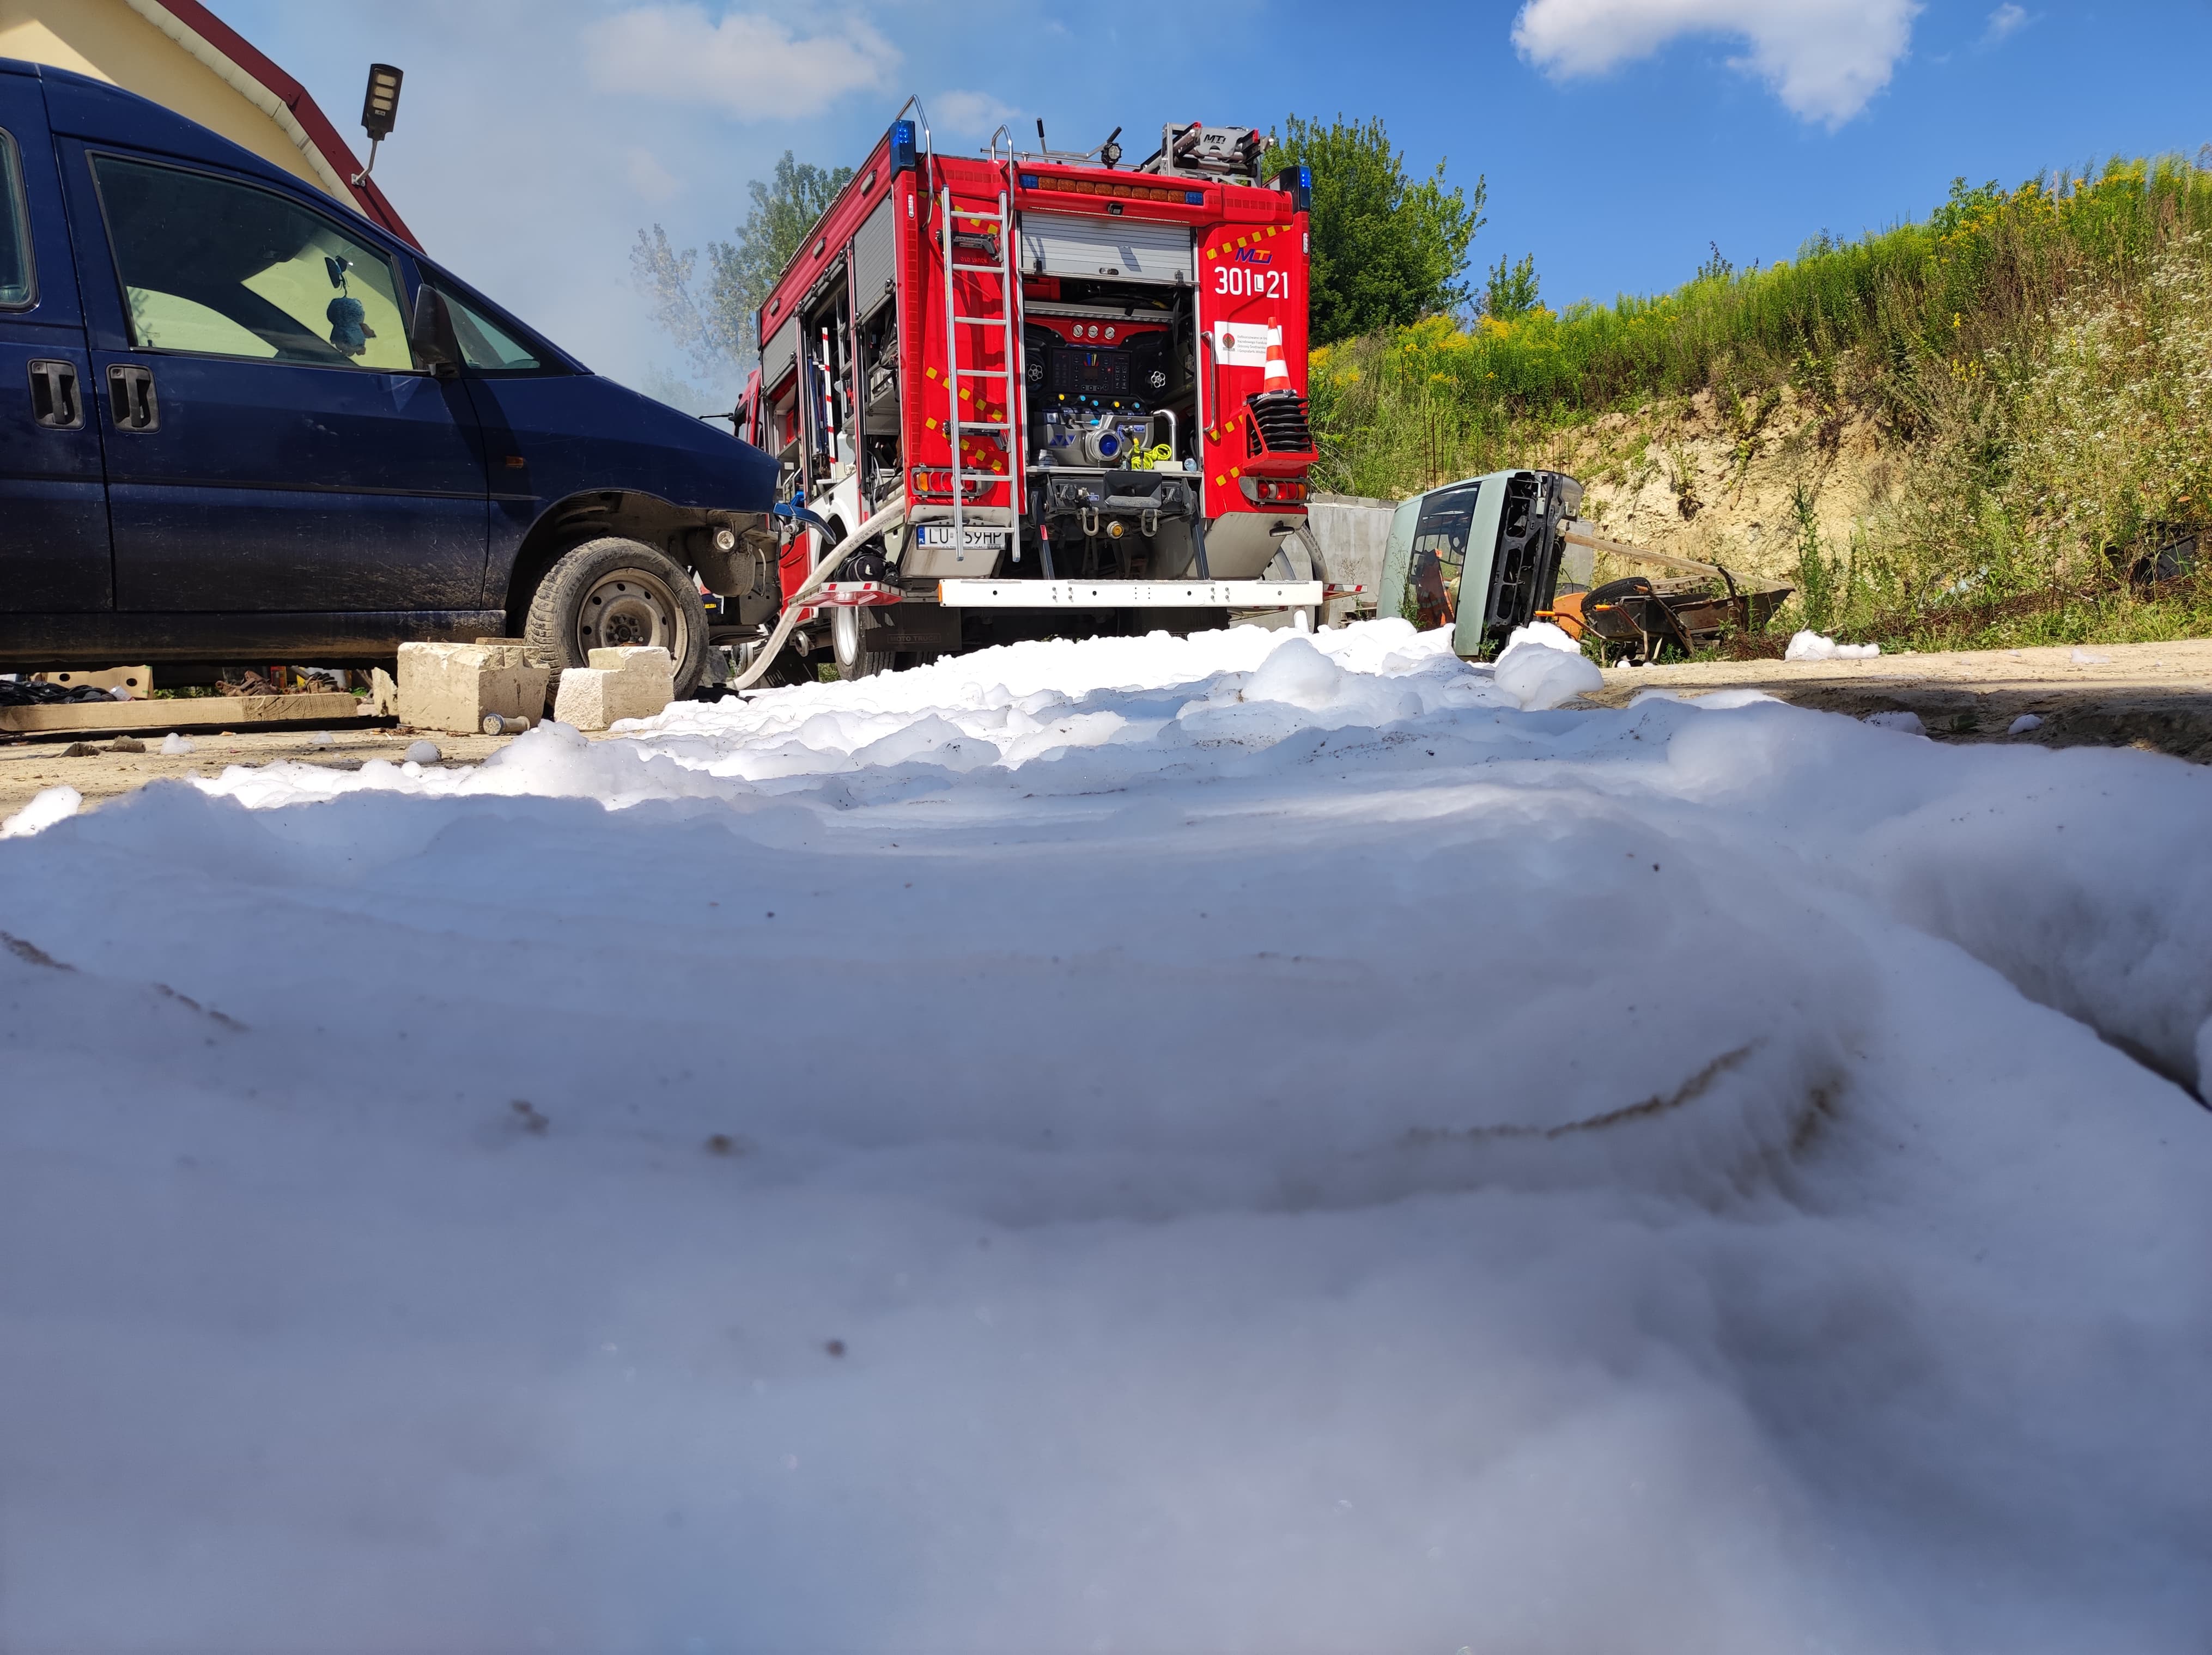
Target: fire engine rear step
(1130, 594)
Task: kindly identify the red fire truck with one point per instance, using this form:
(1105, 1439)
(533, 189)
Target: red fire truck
(1074, 392)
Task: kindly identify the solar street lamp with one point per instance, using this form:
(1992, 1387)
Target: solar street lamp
(379, 111)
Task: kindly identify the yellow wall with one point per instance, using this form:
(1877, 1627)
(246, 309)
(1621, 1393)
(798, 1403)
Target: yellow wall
(107, 40)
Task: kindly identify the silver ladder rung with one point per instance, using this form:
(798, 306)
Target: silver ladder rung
(1002, 269)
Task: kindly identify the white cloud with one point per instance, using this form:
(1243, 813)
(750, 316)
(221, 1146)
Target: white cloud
(746, 64)
(2004, 20)
(1824, 58)
(970, 114)
(648, 176)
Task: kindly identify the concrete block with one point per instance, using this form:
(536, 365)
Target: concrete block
(451, 686)
(1353, 533)
(620, 683)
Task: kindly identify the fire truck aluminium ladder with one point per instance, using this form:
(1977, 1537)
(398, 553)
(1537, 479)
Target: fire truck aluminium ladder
(1000, 281)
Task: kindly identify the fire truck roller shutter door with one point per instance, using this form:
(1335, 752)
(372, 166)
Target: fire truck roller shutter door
(782, 351)
(874, 250)
(1120, 249)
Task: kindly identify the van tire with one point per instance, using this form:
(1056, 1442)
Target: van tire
(611, 591)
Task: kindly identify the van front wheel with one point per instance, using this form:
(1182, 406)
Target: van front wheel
(610, 592)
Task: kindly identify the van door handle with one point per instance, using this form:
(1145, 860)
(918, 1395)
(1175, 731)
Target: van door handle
(130, 397)
(54, 400)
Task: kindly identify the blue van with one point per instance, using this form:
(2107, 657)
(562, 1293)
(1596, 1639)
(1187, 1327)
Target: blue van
(238, 422)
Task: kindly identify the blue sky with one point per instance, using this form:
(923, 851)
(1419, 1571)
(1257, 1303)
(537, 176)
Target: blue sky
(1619, 137)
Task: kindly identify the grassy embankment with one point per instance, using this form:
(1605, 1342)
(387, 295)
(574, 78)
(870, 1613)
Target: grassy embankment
(2035, 366)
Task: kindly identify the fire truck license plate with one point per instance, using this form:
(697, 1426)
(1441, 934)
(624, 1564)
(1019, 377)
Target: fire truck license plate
(968, 540)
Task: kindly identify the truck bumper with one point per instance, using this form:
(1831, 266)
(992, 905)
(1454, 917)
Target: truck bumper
(1130, 594)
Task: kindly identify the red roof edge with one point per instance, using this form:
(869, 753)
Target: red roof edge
(305, 110)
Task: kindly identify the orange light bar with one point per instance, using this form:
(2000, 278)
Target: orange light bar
(1098, 187)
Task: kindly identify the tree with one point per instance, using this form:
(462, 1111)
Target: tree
(710, 340)
(1388, 249)
(1510, 291)
(716, 329)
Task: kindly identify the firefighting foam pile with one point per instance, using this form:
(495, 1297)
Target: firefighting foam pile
(1251, 1142)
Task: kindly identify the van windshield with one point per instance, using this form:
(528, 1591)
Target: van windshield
(1439, 555)
(14, 229)
(222, 268)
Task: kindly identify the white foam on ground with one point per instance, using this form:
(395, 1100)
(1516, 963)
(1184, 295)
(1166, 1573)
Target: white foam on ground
(1814, 646)
(1902, 720)
(1541, 667)
(1246, 1142)
(48, 806)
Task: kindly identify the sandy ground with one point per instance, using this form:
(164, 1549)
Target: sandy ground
(2157, 696)
(1722, 483)
(29, 765)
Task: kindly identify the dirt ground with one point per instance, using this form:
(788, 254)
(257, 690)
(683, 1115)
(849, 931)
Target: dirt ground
(27, 766)
(1722, 484)
(2154, 696)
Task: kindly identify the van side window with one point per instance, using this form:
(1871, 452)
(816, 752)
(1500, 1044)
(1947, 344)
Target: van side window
(485, 346)
(223, 268)
(16, 287)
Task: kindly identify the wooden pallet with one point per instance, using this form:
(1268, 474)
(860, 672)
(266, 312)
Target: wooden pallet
(186, 712)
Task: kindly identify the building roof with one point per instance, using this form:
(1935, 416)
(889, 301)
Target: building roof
(99, 38)
(228, 53)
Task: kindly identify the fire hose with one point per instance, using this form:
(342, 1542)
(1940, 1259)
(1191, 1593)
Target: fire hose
(890, 514)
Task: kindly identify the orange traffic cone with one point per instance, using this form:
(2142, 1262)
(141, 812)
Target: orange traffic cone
(1279, 372)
